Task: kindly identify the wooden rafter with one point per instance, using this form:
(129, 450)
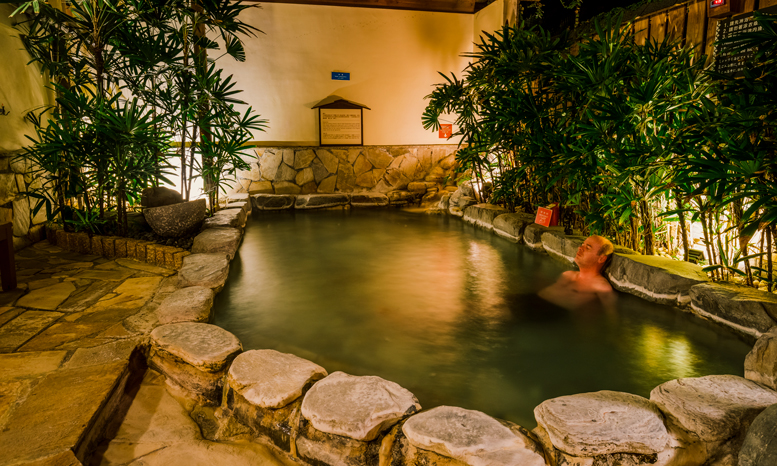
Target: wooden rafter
(447, 6)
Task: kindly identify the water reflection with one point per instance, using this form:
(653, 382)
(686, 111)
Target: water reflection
(449, 312)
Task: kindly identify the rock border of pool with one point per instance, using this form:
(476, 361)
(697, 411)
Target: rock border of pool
(333, 419)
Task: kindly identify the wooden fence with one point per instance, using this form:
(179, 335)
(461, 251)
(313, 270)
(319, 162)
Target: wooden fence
(688, 22)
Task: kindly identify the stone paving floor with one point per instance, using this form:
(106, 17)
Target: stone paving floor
(70, 345)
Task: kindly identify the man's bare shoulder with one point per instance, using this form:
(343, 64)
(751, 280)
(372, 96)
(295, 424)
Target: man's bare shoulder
(601, 285)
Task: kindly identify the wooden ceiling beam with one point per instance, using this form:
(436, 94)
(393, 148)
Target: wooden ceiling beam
(446, 6)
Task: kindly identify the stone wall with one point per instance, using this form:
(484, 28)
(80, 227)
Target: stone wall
(15, 178)
(381, 169)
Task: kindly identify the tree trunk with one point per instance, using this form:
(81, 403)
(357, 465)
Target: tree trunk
(647, 228)
(683, 230)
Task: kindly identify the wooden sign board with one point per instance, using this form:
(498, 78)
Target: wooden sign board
(729, 61)
(340, 126)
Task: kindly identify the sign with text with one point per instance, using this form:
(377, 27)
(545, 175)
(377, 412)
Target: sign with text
(340, 126)
(340, 76)
(543, 216)
(446, 131)
(729, 58)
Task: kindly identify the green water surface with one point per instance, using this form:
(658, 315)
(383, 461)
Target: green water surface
(450, 312)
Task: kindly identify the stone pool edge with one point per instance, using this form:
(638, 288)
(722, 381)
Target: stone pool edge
(229, 403)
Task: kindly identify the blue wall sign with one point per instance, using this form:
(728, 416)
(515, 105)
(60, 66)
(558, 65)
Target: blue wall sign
(340, 76)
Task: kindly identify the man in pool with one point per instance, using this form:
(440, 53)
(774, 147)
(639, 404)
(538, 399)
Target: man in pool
(576, 289)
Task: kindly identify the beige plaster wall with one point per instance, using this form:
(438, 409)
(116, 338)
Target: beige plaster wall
(393, 57)
(21, 85)
(489, 19)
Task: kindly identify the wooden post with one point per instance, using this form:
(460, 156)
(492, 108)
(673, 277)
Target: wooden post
(510, 12)
(7, 264)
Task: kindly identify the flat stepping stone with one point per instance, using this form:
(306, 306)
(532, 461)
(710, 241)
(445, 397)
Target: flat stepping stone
(532, 235)
(192, 304)
(369, 200)
(47, 298)
(206, 270)
(604, 422)
(715, 407)
(218, 240)
(357, 407)
(194, 358)
(226, 218)
(273, 201)
(511, 226)
(320, 201)
(754, 312)
(654, 278)
(207, 347)
(470, 436)
(270, 379)
(483, 215)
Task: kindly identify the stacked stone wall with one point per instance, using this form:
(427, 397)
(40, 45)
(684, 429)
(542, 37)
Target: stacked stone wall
(381, 169)
(15, 207)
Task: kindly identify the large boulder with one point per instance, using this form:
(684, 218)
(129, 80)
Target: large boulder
(191, 304)
(761, 361)
(532, 235)
(360, 408)
(176, 220)
(194, 358)
(273, 201)
(512, 226)
(265, 389)
(760, 445)
(159, 197)
(218, 240)
(603, 423)
(561, 246)
(658, 279)
(471, 437)
(320, 201)
(206, 270)
(753, 312)
(483, 215)
(714, 411)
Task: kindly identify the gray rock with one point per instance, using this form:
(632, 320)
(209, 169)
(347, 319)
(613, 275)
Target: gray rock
(561, 246)
(657, 279)
(320, 201)
(400, 198)
(304, 176)
(273, 201)
(379, 157)
(21, 216)
(226, 218)
(328, 185)
(245, 206)
(714, 408)
(471, 437)
(357, 407)
(285, 173)
(270, 379)
(159, 197)
(600, 423)
(176, 220)
(7, 188)
(760, 445)
(753, 312)
(191, 304)
(260, 187)
(444, 203)
(286, 187)
(269, 163)
(483, 215)
(218, 240)
(194, 358)
(319, 171)
(512, 226)
(302, 159)
(417, 187)
(361, 166)
(346, 178)
(328, 159)
(369, 200)
(288, 156)
(761, 361)
(207, 270)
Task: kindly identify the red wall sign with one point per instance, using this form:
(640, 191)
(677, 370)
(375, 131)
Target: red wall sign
(547, 217)
(446, 131)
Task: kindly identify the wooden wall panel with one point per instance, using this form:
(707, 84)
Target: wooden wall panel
(695, 32)
(658, 27)
(749, 6)
(676, 24)
(712, 25)
(641, 30)
(765, 3)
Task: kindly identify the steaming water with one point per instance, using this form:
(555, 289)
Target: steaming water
(449, 312)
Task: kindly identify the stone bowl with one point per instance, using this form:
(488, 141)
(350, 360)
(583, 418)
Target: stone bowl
(176, 220)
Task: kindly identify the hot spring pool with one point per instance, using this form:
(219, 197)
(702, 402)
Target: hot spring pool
(449, 312)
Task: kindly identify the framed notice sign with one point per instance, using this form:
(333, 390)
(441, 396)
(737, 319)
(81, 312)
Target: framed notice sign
(340, 126)
(340, 122)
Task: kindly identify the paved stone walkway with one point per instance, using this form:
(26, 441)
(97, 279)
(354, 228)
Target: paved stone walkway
(68, 348)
